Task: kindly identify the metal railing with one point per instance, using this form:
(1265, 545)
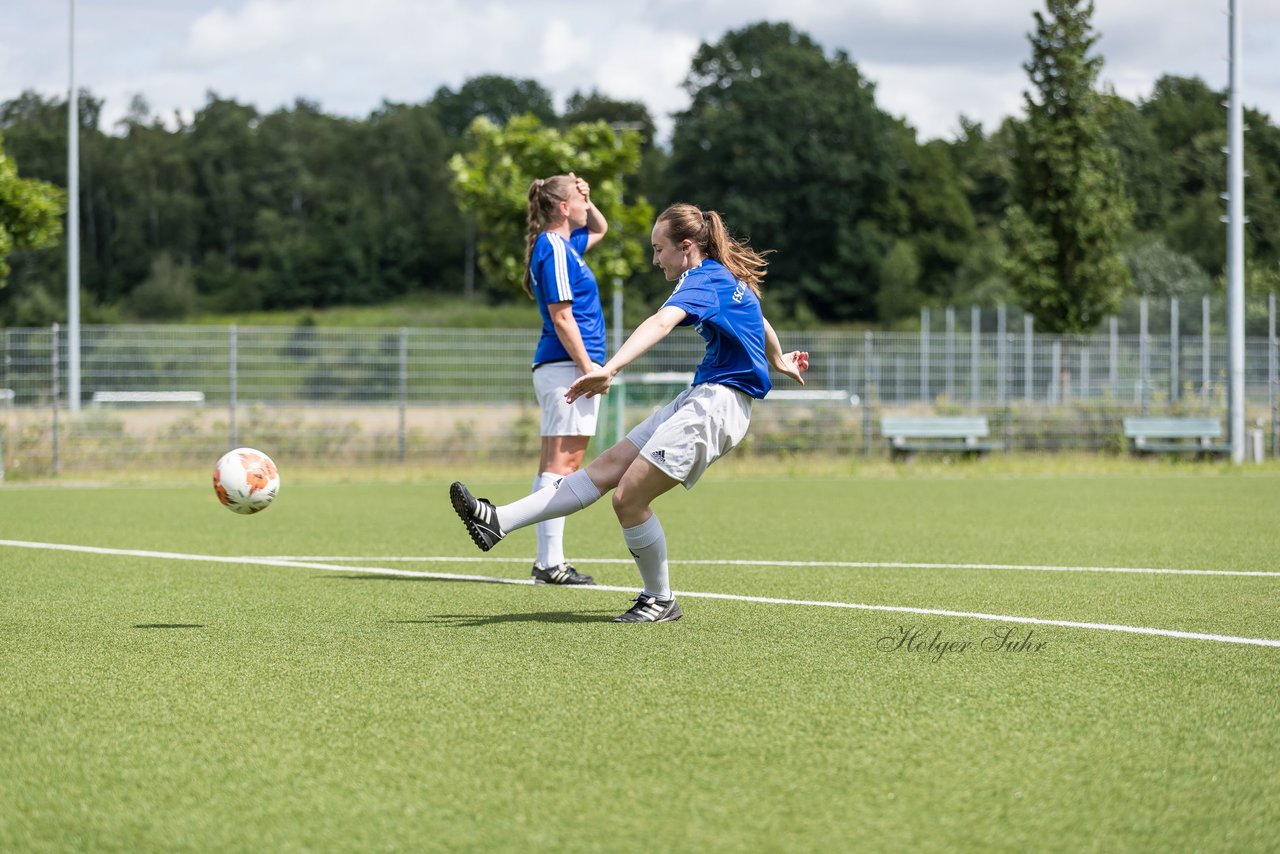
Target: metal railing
(176, 395)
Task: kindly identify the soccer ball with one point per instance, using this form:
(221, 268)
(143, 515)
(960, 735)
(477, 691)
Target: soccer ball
(246, 480)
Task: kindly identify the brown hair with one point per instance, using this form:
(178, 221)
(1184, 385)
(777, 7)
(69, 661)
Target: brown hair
(708, 232)
(545, 196)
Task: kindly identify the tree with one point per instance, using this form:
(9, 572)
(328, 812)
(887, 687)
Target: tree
(497, 98)
(36, 136)
(1189, 124)
(30, 212)
(492, 178)
(420, 237)
(790, 146)
(1070, 211)
(595, 107)
(1160, 272)
(985, 165)
(927, 206)
(1150, 174)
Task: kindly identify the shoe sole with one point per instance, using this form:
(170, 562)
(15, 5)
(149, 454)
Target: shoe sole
(565, 583)
(660, 620)
(458, 498)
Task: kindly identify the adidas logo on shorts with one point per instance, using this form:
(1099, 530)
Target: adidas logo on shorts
(659, 455)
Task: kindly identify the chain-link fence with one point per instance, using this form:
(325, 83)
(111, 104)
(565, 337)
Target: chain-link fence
(176, 395)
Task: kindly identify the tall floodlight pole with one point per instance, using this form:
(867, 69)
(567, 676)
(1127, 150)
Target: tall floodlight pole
(73, 226)
(1235, 239)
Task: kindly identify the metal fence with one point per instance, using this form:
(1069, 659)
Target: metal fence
(169, 396)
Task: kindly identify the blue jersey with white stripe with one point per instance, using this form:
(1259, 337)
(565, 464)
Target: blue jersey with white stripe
(726, 313)
(559, 274)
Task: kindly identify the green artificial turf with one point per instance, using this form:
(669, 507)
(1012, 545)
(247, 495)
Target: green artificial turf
(161, 704)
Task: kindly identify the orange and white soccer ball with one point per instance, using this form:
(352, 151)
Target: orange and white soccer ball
(246, 480)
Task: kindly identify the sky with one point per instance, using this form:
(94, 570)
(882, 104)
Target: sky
(931, 61)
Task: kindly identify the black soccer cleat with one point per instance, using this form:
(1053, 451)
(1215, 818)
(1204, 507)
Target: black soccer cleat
(478, 514)
(561, 574)
(651, 609)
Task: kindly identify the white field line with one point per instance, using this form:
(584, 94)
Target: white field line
(895, 609)
(838, 564)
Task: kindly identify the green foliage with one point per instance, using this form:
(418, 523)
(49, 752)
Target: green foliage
(1064, 232)
(1148, 168)
(899, 295)
(928, 205)
(169, 293)
(791, 148)
(1159, 271)
(492, 178)
(1189, 127)
(499, 99)
(295, 209)
(985, 165)
(30, 212)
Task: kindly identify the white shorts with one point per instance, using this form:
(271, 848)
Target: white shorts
(550, 382)
(691, 432)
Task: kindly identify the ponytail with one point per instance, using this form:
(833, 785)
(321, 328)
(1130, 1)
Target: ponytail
(707, 231)
(545, 196)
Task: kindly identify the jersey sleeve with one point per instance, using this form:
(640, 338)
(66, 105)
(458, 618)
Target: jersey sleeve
(578, 239)
(696, 295)
(550, 268)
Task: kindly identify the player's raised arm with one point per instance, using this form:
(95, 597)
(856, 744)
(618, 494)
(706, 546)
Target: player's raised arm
(597, 225)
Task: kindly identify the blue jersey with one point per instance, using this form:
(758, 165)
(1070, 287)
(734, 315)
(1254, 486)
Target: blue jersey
(726, 313)
(559, 274)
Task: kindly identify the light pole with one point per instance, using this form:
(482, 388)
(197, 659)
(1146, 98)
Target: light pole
(73, 224)
(1235, 241)
(620, 399)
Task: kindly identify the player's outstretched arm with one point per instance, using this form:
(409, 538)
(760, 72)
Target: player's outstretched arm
(653, 330)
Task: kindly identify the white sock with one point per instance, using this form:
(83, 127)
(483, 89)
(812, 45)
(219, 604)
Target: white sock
(569, 495)
(648, 545)
(551, 532)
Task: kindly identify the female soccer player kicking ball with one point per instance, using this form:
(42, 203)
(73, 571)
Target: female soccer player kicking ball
(717, 292)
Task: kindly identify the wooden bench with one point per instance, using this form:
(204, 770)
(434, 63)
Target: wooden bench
(148, 397)
(1153, 434)
(948, 433)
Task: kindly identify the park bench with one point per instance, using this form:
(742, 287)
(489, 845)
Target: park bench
(949, 433)
(1175, 434)
(148, 397)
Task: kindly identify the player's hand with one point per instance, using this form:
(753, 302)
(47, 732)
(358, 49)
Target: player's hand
(794, 364)
(589, 385)
(582, 186)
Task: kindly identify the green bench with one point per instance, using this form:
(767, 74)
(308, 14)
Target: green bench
(949, 433)
(1152, 434)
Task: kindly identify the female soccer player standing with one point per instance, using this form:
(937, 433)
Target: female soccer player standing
(717, 292)
(563, 224)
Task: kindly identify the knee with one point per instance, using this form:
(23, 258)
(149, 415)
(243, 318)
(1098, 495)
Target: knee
(627, 508)
(619, 499)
